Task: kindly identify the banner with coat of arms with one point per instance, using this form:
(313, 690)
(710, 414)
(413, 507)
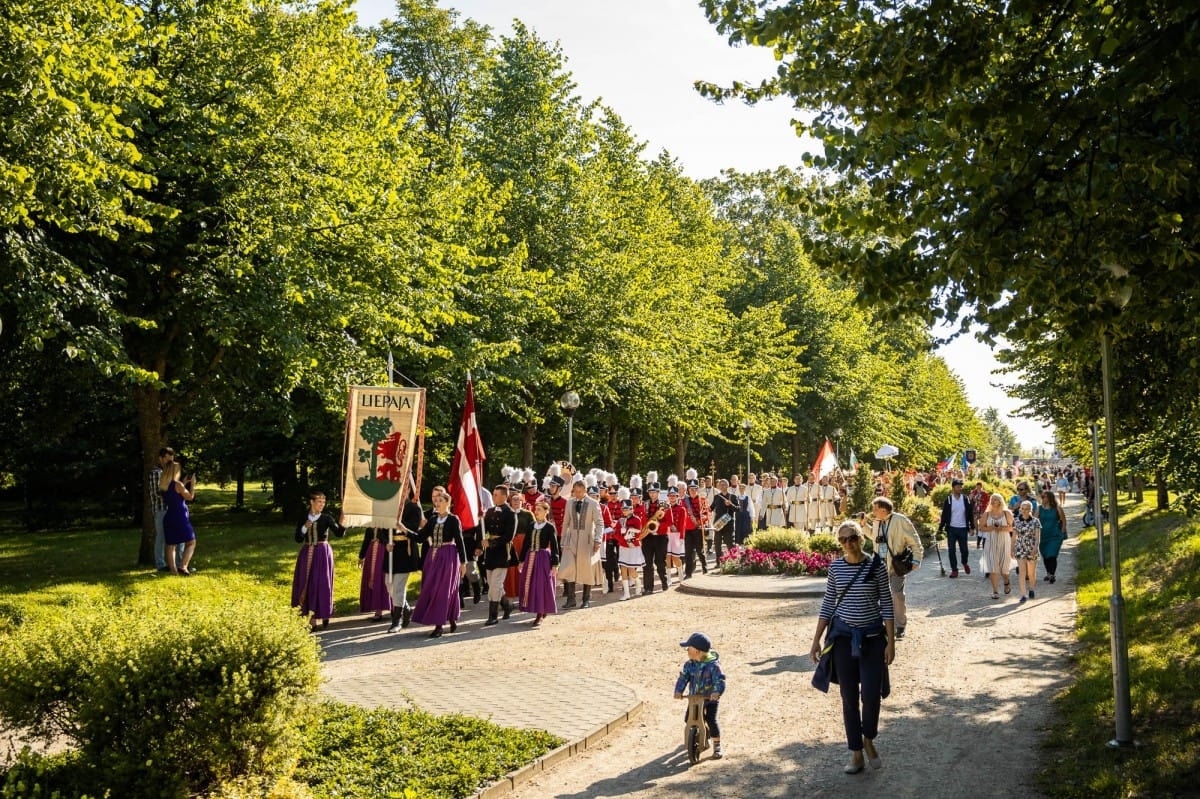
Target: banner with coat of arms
(385, 431)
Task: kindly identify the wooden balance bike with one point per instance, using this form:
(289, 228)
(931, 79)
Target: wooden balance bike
(695, 731)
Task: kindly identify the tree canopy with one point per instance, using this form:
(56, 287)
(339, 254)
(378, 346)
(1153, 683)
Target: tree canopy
(258, 201)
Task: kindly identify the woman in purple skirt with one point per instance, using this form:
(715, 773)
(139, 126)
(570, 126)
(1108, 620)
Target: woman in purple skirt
(372, 559)
(445, 564)
(539, 563)
(312, 583)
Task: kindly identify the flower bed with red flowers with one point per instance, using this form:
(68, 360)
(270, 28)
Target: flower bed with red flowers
(745, 560)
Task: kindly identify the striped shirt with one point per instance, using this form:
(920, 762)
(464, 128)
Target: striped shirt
(866, 603)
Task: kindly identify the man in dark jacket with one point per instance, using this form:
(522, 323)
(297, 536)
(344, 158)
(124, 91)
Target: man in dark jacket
(499, 527)
(958, 520)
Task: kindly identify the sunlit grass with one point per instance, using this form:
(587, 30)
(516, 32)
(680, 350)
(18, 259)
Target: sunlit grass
(1160, 570)
(250, 553)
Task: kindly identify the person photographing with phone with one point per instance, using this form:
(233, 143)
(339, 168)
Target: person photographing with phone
(897, 542)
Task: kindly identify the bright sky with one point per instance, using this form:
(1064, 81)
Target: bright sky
(641, 57)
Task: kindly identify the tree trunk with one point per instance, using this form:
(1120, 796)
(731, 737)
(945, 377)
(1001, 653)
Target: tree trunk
(610, 457)
(1160, 480)
(681, 445)
(148, 401)
(240, 471)
(527, 445)
(1139, 486)
(635, 443)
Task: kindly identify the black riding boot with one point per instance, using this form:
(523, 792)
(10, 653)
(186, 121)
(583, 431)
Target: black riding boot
(570, 589)
(396, 612)
(493, 613)
(587, 596)
(476, 585)
(507, 606)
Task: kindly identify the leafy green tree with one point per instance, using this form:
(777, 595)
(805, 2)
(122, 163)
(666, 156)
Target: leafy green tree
(994, 164)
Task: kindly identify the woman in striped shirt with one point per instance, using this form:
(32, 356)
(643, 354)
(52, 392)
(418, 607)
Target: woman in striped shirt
(857, 611)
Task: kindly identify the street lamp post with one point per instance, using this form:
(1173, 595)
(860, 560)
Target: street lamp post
(1122, 712)
(569, 402)
(746, 425)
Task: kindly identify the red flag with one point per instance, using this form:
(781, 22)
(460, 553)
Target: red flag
(466, 468)
(826, 462)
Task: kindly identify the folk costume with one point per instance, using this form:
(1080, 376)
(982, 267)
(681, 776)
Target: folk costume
(828, 493)
(512, 581)
(771, 511)
(312, 581)
(499, 530)
(407, 556)
(437, 603)
(373, 588)
(539, 557)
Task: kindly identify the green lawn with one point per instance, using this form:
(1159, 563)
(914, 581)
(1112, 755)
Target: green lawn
(250, 553)
(1160, 568)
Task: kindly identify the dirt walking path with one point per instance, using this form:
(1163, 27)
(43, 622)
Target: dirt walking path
(971, 691)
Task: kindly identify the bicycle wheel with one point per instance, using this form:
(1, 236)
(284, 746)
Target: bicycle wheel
(693, 743)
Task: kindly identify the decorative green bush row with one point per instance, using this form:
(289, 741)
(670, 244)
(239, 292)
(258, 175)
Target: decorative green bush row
(161, 699)
(779, 550)
(179, 696)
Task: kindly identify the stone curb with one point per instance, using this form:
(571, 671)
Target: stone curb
(511, 781)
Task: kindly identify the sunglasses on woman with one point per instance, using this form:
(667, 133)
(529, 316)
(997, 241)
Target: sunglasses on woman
(848, 538)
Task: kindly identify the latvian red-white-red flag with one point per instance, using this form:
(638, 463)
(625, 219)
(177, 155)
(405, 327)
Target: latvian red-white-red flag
(467, 467)
(826, 462)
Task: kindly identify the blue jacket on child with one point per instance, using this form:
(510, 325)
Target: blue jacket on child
(703, 676)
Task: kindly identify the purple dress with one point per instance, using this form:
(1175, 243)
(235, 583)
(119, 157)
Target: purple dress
(537, 580)
(312, 581)
(373, 591)
(437, 603)
(177, 524)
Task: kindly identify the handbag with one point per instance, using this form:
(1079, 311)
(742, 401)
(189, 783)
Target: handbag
(902, 562)
(823, 673)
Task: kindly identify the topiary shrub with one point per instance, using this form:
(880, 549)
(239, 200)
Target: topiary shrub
(920, 512)
(863, 492)
(164, 699)
(825, 544)
(777, 539)
(939, 494)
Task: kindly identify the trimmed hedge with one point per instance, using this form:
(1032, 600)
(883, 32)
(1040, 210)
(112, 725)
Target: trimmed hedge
(162, 698)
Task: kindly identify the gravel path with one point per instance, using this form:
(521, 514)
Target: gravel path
(971, 691)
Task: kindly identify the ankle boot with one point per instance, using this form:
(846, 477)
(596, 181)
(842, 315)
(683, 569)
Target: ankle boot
(625, 589)
(405, 616)
(587, 596)
(610, 584)
(507, 606)
(395, 619)
(493, 613)
(475, 591)
(570, 603)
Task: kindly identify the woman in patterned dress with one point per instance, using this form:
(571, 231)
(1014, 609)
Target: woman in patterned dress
(1027, 534)
(539, 564)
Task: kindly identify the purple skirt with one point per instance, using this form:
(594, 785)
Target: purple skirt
(312, 584)
(373, 592)
(537, 583)
(438, 601)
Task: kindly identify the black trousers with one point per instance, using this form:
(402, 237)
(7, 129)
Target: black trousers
(693, 545)
(861, 680)
(612, 570)
(724, 539)
(654, 548)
